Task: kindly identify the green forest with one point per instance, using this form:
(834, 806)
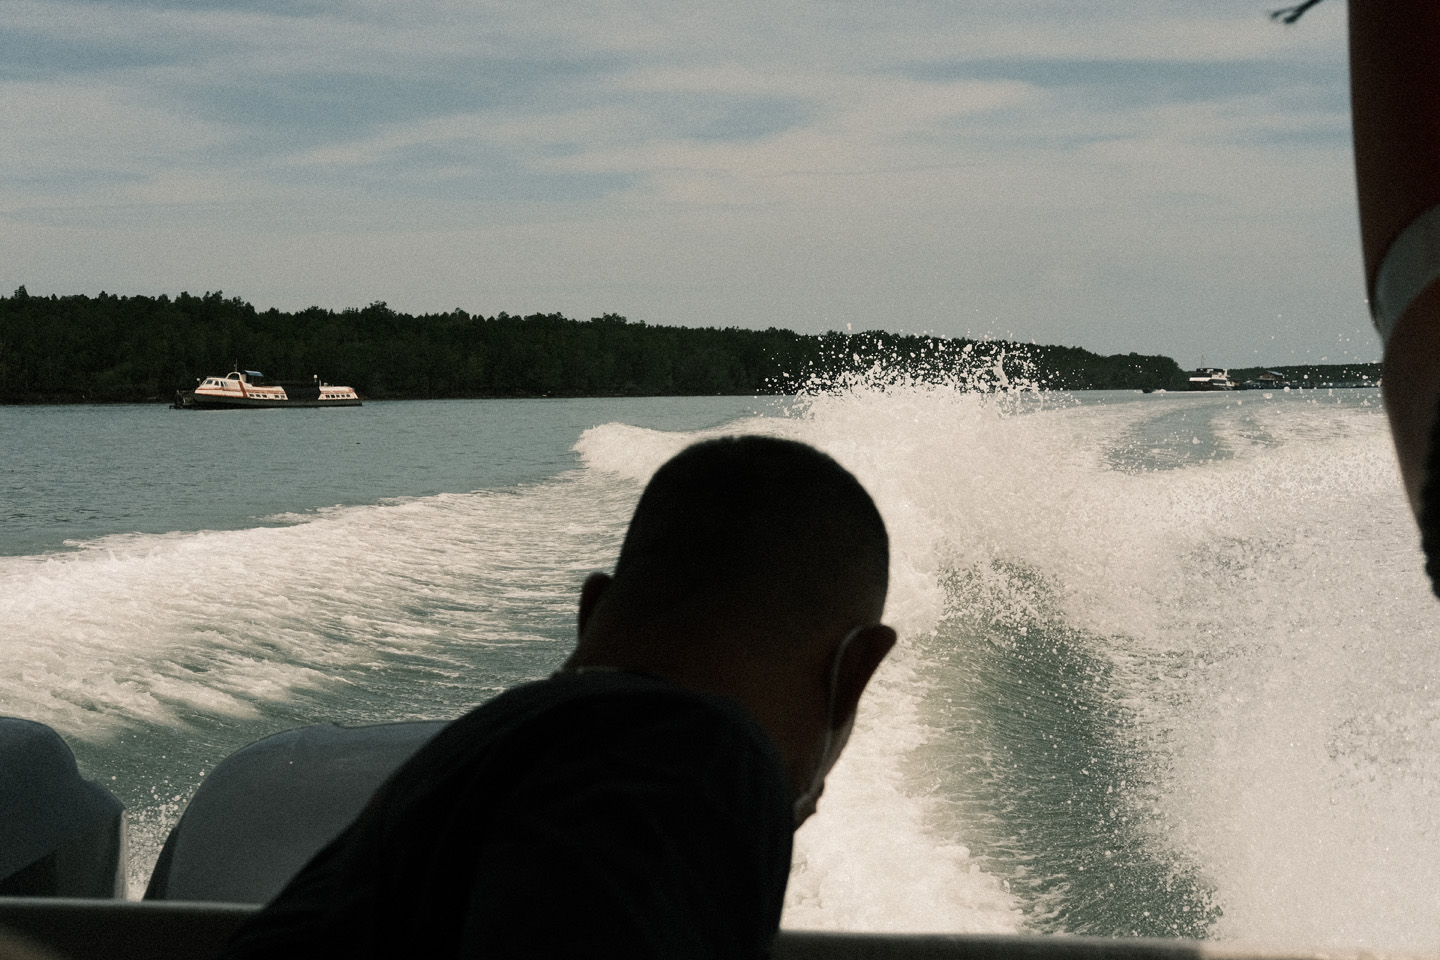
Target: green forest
(109, 348)
(1316, 375)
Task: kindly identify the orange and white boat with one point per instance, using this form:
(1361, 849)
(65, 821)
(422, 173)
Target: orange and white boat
(248, 389)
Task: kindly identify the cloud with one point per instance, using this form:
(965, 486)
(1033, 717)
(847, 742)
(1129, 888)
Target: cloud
(1122, 176)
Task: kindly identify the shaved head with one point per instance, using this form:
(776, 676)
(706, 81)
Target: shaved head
(767, 531)
(754, 568)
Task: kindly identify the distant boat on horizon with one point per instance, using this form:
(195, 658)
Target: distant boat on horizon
(1211, 378)
(246, 389)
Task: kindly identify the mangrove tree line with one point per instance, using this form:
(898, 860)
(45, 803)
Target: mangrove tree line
(110, 348)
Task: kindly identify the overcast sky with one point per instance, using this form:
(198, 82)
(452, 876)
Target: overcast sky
(1162, 176)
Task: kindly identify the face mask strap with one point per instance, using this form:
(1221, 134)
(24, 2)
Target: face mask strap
(805, 803)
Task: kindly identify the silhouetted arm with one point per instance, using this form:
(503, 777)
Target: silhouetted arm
(1395, 91)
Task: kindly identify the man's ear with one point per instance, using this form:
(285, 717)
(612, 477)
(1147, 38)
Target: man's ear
(858, 663)
(595, 586)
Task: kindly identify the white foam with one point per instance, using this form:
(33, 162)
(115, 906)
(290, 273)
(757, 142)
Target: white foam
(1295, 760)
(871, 858)
(1310, 775)
(156, 629)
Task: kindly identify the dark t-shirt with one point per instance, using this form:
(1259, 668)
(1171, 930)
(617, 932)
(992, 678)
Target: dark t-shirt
(602, 813)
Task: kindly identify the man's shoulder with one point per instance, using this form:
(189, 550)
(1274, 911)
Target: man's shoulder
(622, 695)
(592, 716)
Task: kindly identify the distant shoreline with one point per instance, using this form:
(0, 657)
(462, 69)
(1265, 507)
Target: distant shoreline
(118, 349)
(168, 401)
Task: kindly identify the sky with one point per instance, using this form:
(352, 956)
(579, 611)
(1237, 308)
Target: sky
(1156, 176)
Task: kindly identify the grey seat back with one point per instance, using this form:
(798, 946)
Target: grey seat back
(60, 834)
(266, 809)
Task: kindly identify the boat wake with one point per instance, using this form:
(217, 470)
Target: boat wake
(1164, 665)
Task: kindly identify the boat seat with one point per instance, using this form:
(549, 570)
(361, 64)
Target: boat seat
(266, 809)
(60, 834)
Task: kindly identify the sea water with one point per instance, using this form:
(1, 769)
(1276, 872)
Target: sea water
(1168, 663)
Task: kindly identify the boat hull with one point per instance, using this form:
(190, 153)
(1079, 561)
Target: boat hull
(191, 401)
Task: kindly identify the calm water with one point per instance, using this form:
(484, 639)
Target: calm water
(75, 473)
(1166, 668)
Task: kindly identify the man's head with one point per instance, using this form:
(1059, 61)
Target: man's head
(756, 568)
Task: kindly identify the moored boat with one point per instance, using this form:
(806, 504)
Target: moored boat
(1267, 380)
(247, 389)
(1211, 378)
